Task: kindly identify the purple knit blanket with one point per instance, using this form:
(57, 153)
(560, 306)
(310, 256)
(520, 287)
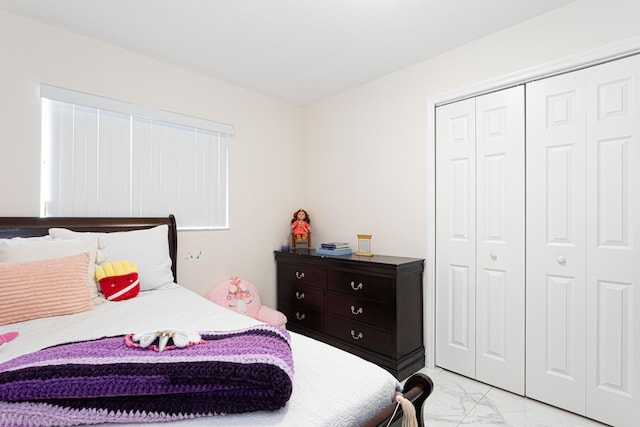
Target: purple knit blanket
(105, 381)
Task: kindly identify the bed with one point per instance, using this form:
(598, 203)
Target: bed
(328, 385)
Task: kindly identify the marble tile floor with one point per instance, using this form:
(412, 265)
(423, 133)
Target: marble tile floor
(460, 401)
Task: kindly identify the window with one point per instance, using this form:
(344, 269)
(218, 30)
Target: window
(102, 157)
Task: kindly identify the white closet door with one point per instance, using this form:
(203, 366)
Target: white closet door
(480, 238)
(500, 257)
(583, 232)
(455, 237)
(613, 240)
(555, 290)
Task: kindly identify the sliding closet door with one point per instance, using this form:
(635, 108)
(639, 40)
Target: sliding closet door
(480, 238)
(500, 257)
(456, 237)
(613, 240)
(556, 241)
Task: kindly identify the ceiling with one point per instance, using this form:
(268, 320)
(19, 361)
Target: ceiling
(299, 51)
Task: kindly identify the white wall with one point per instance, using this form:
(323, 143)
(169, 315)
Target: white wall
(263, 187)
(369, 144)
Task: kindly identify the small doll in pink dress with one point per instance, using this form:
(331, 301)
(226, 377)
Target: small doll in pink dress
(300, 225)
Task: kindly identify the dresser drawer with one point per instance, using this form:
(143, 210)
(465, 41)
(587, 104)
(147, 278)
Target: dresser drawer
(302, 294)
(302, 274)
(362, 335)
(361, 310)
(362, 285)
(301, 315)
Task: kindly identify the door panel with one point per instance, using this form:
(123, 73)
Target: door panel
(455, 237)
(613, 236)
(555, 291)
(559, 338)
(500, 239)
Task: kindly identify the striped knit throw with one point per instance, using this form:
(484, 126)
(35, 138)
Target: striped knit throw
(104, 380)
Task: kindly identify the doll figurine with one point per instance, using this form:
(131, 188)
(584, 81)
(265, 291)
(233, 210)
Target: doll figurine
(300, 227)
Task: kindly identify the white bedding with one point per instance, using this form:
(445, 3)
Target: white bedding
(330, 388)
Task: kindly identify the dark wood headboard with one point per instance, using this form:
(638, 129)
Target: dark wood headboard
(35, 226)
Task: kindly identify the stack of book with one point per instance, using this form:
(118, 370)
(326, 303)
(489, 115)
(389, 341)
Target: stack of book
(334, 249)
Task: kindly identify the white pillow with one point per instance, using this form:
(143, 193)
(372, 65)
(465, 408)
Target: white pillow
(32, 249)
(148, 249)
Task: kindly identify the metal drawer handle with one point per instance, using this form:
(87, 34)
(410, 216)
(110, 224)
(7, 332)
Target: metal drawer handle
(300, 295)
(356, 287)
(356, 337)
(354, 311)
(561, 260)
(299, 275)
(300, 316)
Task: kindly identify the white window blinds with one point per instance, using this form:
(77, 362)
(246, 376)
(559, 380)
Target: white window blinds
(102, 157)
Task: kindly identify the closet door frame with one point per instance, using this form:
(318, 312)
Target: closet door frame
(588, 58)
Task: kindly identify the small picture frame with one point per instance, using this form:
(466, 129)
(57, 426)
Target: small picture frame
(364, 245)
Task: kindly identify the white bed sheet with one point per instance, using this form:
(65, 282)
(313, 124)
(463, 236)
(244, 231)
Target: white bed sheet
(326, 380)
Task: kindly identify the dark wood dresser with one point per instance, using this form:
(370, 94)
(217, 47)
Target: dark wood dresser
(368, 306)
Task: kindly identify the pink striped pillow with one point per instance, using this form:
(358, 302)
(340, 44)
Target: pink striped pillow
(43, 288)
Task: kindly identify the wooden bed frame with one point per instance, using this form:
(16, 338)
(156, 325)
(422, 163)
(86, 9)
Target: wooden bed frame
(416, 389)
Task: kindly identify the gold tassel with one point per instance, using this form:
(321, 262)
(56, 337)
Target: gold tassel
(409, 412)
